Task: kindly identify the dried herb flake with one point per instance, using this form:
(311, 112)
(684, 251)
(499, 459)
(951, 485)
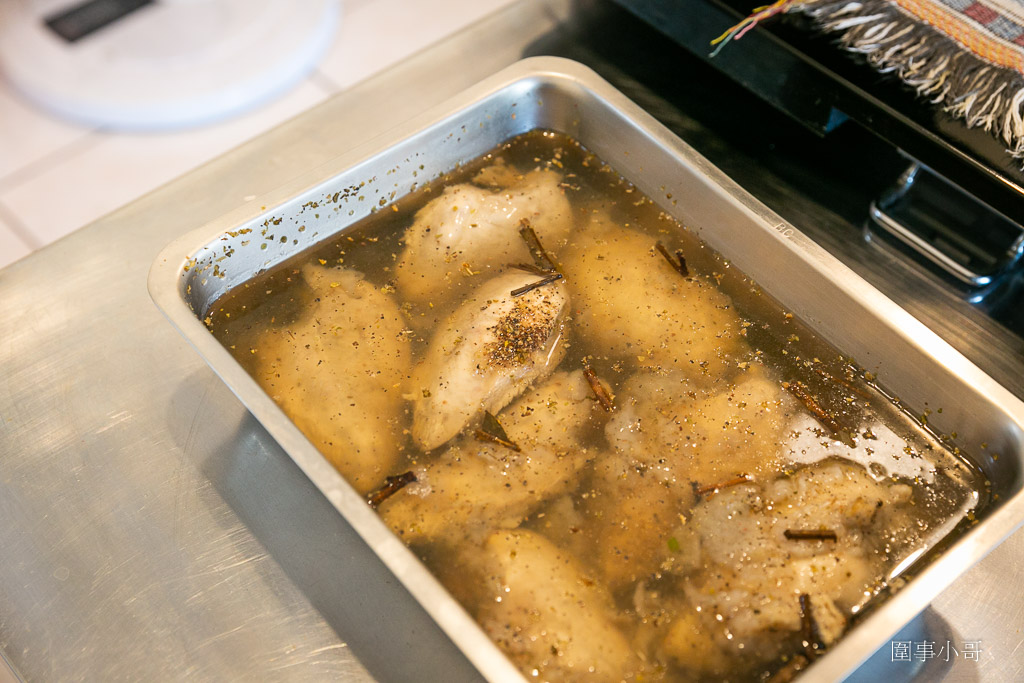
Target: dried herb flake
(491, 430)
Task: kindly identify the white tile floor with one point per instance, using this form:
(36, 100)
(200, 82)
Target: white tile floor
(56, 176)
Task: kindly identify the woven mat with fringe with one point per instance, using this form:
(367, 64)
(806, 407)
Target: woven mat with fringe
(966, 56)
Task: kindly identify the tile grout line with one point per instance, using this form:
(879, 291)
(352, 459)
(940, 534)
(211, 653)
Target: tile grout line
(49, 160)
(19, 229)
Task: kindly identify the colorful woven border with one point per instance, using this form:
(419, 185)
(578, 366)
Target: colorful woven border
(964, 55)
(977, 26)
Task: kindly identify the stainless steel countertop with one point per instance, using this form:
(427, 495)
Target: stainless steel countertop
(150, 528)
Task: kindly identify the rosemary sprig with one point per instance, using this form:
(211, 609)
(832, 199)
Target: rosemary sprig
(540, 255)
(599, 391)
(392, 485)
(680, 265)
(530, 268)
(711, 488)
(810, 534)
(519, 291)
(813, 406)
(809, 632)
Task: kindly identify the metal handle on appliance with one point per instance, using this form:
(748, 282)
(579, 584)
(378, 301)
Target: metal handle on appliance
(926, 249)
(933, 253)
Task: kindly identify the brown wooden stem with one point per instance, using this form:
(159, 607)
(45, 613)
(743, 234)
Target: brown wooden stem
(599, 391)
(678, 265)
(392, 485)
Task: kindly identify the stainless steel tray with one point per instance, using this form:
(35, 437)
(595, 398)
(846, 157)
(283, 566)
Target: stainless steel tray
(549, 93)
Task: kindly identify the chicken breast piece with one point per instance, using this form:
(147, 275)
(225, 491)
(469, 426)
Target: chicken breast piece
(479, 227)
(683, 432)
(749, 521)
(475, 487)
(689, 644)
(629, 516)
(669, 433)
(548, 615)
(557, 413)
(630, 304)
(750, 576)
(486, 353)
(337, 373)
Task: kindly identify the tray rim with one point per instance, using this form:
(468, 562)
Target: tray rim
(166, 287)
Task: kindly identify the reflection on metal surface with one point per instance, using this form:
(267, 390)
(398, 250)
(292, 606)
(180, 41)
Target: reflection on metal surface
(966, 242)
(326, 559)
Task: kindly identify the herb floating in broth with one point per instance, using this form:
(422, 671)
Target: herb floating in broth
(491, 430)
(813, 406)
(810, 534)
(809, 629)
(392, 485)
(678, 263)
(599, 389)
(713, 488)
(541, 257)
(536, 270)
(547, 280)
(627, 463)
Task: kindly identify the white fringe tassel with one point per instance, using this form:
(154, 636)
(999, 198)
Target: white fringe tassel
(982, 94)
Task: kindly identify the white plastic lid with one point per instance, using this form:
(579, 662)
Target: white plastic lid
(168, 64)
